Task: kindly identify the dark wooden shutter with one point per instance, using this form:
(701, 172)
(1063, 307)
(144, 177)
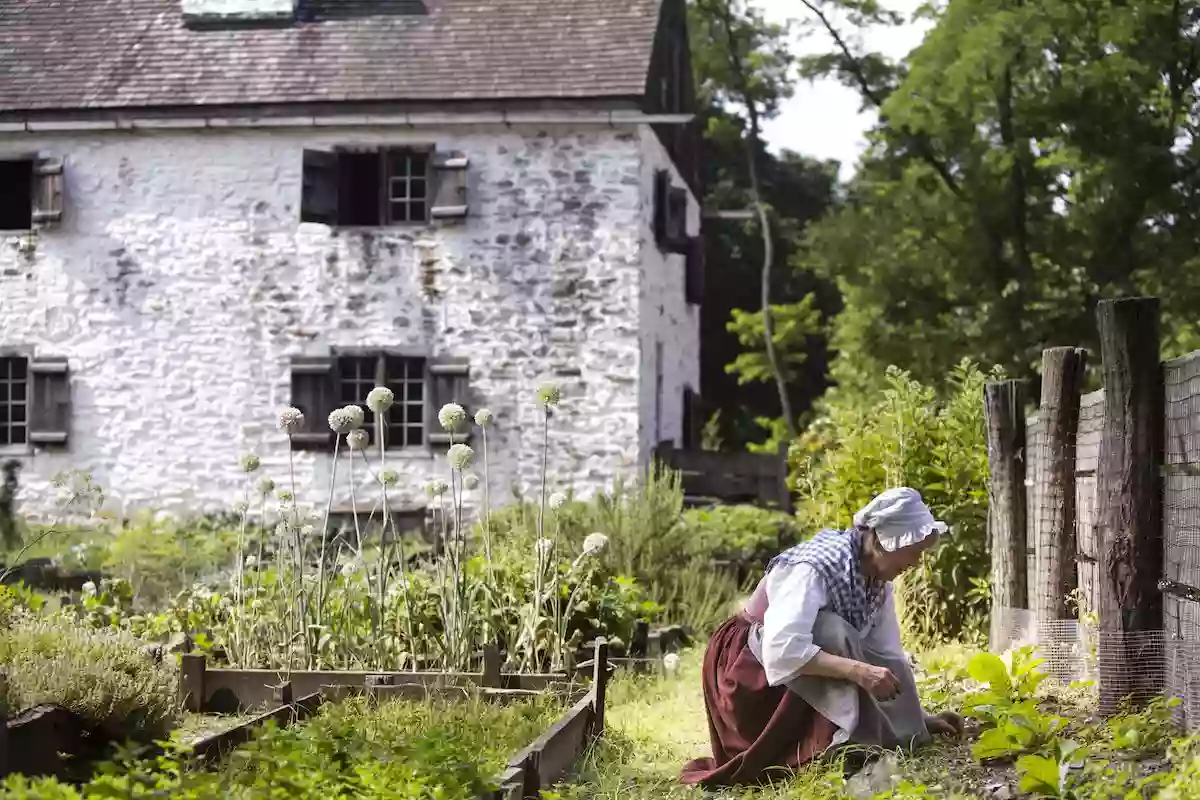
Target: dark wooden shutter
(446, 381)
(47, 192)
(677, 205)
(314, 392)
(693, 282)
(50, 412)
(449, 186)
(662, 188)
(693, 419)
(319, 194)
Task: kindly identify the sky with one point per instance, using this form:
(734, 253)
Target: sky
(823, 119)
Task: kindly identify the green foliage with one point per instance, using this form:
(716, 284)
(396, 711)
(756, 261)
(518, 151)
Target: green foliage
(910, 434)
(104, 676)
(399, 751)
(794, 325)
(738, 533)
(1029, 160)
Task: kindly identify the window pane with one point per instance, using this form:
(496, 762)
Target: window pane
(17, 368)
(18, 391)
(416, 212)
(4, 391)
(18, 435)
(416, 413)
(417, 189)
(16, 412)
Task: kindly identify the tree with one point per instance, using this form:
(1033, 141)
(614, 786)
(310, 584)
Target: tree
(737, 55)
(1030, 159)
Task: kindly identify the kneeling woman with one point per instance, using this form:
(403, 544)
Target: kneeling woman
(815, 661)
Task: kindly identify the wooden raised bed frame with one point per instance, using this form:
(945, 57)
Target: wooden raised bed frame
(546, 760)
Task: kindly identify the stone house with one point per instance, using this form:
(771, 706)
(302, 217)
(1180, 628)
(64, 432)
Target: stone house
(213, 209)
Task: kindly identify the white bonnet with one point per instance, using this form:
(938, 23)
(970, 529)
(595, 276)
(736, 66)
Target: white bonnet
(899, 518)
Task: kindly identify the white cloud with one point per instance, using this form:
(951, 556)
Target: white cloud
(823, 119)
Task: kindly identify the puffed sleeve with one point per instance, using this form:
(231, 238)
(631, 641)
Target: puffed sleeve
(795, 593)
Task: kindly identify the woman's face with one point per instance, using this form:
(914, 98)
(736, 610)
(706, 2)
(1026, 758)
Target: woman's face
(890, 566)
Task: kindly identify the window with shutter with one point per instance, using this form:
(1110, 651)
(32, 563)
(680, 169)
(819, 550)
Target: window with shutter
(358, 374)
(449, 382)
(14, 400)
(670, 214)
(50, 414)
(319, 194)
(450, 186)
(313, 392)
(694, 271)
(374, 187)
(47, 192)
(16, 195)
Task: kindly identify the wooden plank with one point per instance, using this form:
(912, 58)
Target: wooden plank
(553, 753)
(217, 746)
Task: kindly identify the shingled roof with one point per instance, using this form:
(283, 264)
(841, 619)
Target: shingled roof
(113, 54)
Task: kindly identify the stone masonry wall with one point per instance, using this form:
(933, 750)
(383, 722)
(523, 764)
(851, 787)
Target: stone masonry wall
(670, 327)
(181, 282)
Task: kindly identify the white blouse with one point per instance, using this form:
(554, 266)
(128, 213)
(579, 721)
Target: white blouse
(795, 593)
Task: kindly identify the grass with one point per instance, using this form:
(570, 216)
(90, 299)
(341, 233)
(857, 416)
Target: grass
(655, 724)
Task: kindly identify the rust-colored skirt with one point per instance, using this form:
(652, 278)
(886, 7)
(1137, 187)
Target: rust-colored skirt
(758, 732)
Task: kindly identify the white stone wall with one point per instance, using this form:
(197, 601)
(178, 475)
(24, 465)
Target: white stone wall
(670, 326)
(181, 282)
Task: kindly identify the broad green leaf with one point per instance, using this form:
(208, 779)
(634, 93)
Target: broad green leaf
(1039, 774)
(989, 668)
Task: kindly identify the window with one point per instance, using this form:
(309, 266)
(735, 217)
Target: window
(35, 401)
(421, 386)
(670, 214)
(16, 197)
(30, 193)
(693, 281)
(358, 375)
(14, 401)
(393, 186)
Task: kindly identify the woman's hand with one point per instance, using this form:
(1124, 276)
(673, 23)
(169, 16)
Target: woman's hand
(947, 723)
(879, 681)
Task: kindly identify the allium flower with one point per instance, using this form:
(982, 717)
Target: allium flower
(226, 604)
(389, 477)
(380, 399)
(483, 417)
(350, 568)
(250, 463)
(266, 486)
(436, 488)
(671, 662)
(89, 589)
(358, 439)
(595, 542)
(291, 419)
(341, 420)
(549, 396)
(557, 500)
(241, 507)
(460, 456)
(251, 561)
(286, 497)
(307, 531)
(471, 483)
(452, 416)
(544, 548)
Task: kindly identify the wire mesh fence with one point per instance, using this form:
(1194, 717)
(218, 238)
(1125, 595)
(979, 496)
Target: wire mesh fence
(1086, 610)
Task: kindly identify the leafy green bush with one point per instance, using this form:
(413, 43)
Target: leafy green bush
(104, 676)
(910, 434)
(738, 533)
(417, 751)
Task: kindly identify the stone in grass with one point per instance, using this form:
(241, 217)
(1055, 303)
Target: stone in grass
(879, 777)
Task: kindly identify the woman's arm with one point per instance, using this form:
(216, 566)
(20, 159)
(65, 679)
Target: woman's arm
(795, 594)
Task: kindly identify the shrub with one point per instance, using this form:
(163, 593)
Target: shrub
(738, 533)
(911, 435)
(103, 676)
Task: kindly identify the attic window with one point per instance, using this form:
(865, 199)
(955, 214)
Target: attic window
(232, 11)
(16, 196)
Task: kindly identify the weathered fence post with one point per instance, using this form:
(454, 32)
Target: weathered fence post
(491, 666)
(1129, 501)
(1062, 385)
(1004, 403)
(599, 685)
